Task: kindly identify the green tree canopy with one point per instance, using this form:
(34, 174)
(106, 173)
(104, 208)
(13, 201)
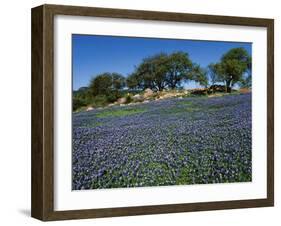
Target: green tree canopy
(246, 82)
(134, 81)
(107, 83)
(161, 71)
(179, 68)
(118, 81)
(212, 72)
(151, 73)
(199, 74)
(231, 67)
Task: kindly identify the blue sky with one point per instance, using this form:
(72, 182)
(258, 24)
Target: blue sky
(92, 54)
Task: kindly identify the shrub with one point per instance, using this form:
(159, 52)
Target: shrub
(216, 89)
(100, 101)
(129, 98)
(78, 103)
(112, 96)
(199, 92)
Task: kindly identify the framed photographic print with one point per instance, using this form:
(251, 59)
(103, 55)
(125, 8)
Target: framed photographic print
(141, 112)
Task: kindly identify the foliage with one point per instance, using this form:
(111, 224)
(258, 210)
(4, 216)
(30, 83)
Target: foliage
(106, 87)
(134, 81)
(113, 96)
(231, 67)
(101, 84)
(151, 73)
(161, 71)
(118, 81)
(212, 73)
(129, 98)
(179, 68)
(155, 70)
(78, 103)
(107, 84)
(199, 75)
(246, 82)
(213, 78)
(100, 101)
(81, 98)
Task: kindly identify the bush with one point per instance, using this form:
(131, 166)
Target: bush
(216, 89)
(129, 98)
(81, 98)
(100, 101)
(113, 96)
(78, 103)
(199, 92)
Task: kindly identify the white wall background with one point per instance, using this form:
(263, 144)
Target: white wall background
(15, 112)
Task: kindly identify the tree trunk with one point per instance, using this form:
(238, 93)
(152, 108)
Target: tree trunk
(173, 86)
(228, 87)
(160, 87)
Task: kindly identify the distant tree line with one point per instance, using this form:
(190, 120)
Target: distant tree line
(169, 71)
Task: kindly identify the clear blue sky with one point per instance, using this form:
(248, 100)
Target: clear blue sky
(92, 54)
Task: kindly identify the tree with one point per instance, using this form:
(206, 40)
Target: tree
(101, 84)
(133, 81)
(108, 84)
(81, 97)
(151, 73)
(199, 74)
(212, 72)
(179, 68)
(161, 71)
(246, 81)
(118, 81)
(232, 66)
(141, 77)
(159, 66)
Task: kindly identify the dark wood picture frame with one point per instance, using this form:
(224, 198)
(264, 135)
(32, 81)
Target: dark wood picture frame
(42, 203)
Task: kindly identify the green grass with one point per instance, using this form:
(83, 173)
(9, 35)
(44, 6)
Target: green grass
(181, 108)
(91, 125)
(119, 112)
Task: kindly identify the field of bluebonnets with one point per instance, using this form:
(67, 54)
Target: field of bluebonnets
(198, 140)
